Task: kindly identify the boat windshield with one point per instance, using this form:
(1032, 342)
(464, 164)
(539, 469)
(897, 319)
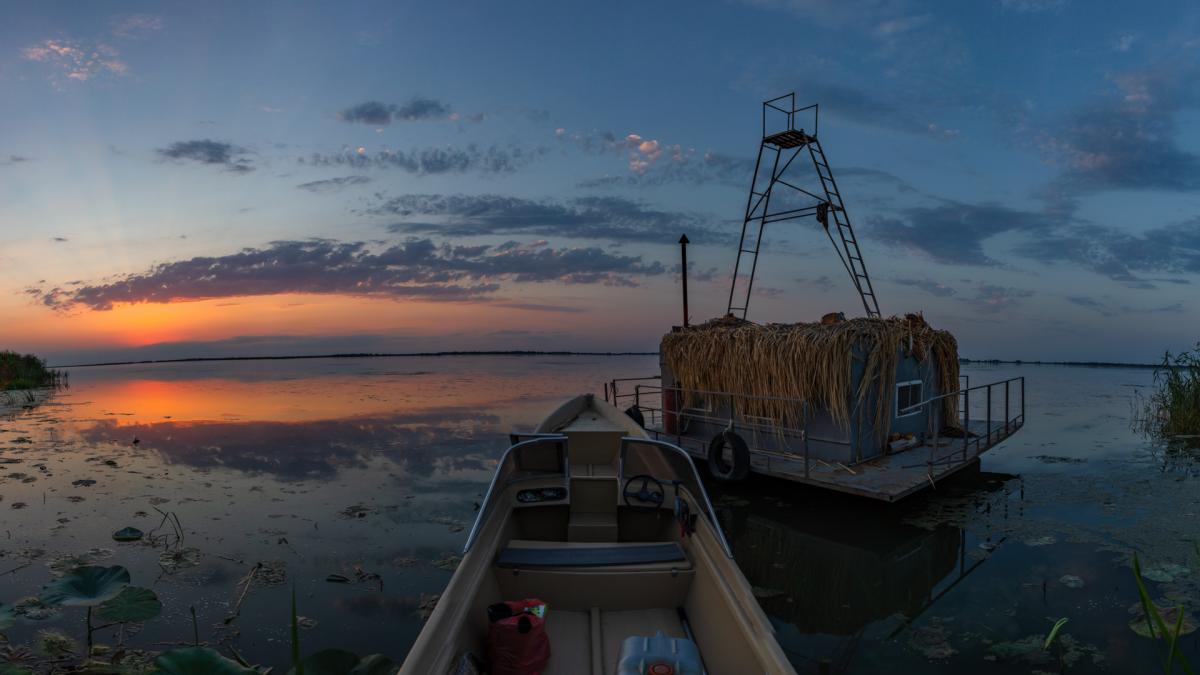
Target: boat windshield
(536, 458)
(668, 463)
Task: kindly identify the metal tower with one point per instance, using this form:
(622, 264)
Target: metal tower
(781, 148)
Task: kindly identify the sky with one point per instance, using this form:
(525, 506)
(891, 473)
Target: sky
(290, 178)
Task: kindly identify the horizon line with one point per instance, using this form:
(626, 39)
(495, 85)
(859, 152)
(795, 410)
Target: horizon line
(535, 352)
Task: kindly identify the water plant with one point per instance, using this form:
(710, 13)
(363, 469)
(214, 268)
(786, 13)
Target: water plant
(1172, 411)
(106, 591)
(1050, 641)
(26, 371)
(1156, 625)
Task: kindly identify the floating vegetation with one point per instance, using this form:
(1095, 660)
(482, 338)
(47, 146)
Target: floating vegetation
(177, 559)
(809, 361)
(449, 563)
(1172, 412)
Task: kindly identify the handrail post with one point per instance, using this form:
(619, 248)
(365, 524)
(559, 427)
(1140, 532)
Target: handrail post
(804, 430)
(966, 420)
(1006, 406)
(1022, 399)
(989, 417)
(931, 413)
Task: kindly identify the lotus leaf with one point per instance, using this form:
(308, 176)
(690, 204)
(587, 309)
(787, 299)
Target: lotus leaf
(128, 534)
(197, 661)
(340, 662)
(133, 604)
(86, 586)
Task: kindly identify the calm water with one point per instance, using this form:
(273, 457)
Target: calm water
(371, 469)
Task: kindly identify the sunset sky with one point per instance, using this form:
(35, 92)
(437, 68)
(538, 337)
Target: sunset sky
(202, 179)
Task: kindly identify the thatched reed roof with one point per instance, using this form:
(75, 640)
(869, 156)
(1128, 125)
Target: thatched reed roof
(810, 361)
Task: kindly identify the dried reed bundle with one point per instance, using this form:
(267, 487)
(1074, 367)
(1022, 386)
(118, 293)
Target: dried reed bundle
(811, 362)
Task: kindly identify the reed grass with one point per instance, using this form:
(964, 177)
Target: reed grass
(26, 371)
(1173, 409)
(811, 362)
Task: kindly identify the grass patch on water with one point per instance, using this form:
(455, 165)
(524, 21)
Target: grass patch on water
(1173, 409)
(26, 371)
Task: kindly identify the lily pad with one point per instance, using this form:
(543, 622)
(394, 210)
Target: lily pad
(133, 604)
(86, 586)
(1165, 573)
(1169, 615)
(128, 534)
(340, 662)
(197, 661)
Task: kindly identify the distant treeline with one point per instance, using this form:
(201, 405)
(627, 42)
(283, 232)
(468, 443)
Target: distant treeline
(359, 355)
(25, 371)
(1084, 364)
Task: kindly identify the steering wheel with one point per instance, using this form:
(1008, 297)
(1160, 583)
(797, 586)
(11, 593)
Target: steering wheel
(654, 498)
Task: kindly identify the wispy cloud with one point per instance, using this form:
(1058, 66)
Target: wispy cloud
(600, 218)
(1032, 5)
(1105, 306)
(205, 151)
(954, 232)
(134, 26)
(74, 60)
(377, 113)
(930, 286)
(492, 159)
(413, 269)
(14, 159)
(1128, 139)
(993, 298)
(334, 184)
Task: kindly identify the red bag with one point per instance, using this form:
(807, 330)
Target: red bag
(518, 644)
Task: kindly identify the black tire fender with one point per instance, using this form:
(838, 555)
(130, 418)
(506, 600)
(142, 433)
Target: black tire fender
(718, 467)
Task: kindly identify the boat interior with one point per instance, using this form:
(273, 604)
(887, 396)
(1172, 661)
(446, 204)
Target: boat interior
(613, 531)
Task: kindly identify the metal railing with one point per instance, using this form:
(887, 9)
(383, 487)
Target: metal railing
(791, 111)
(934, 408)
(649, 400)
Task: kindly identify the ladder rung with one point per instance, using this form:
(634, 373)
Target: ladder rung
(746, 250)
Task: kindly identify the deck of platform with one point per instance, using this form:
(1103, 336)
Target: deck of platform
(887, 478)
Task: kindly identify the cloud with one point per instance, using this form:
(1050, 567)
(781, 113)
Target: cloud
(1106, 307)
(1127, 140)
(856, 105)
(953, 232)
(416, 268)
(1122, 255)
(209, 152)
(59, 240)
(1032, 5)
(14, 159)
(333, 184)
(930, 286)
(376, 113)
(823, 282)
(596, 217)
(991, 298)
(76, 61)
(430, 161)
(134, 26)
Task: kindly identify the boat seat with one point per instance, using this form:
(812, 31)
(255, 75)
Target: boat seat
(524, 554)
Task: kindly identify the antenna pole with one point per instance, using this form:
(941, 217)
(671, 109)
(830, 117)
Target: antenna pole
(683, 242)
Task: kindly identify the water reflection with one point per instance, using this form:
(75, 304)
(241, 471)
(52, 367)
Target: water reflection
(833, 566)
(419, 443)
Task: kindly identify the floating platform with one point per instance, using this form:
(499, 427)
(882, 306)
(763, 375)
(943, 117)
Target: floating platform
(888, 478)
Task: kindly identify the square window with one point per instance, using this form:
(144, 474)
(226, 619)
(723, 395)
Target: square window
(908, 394)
